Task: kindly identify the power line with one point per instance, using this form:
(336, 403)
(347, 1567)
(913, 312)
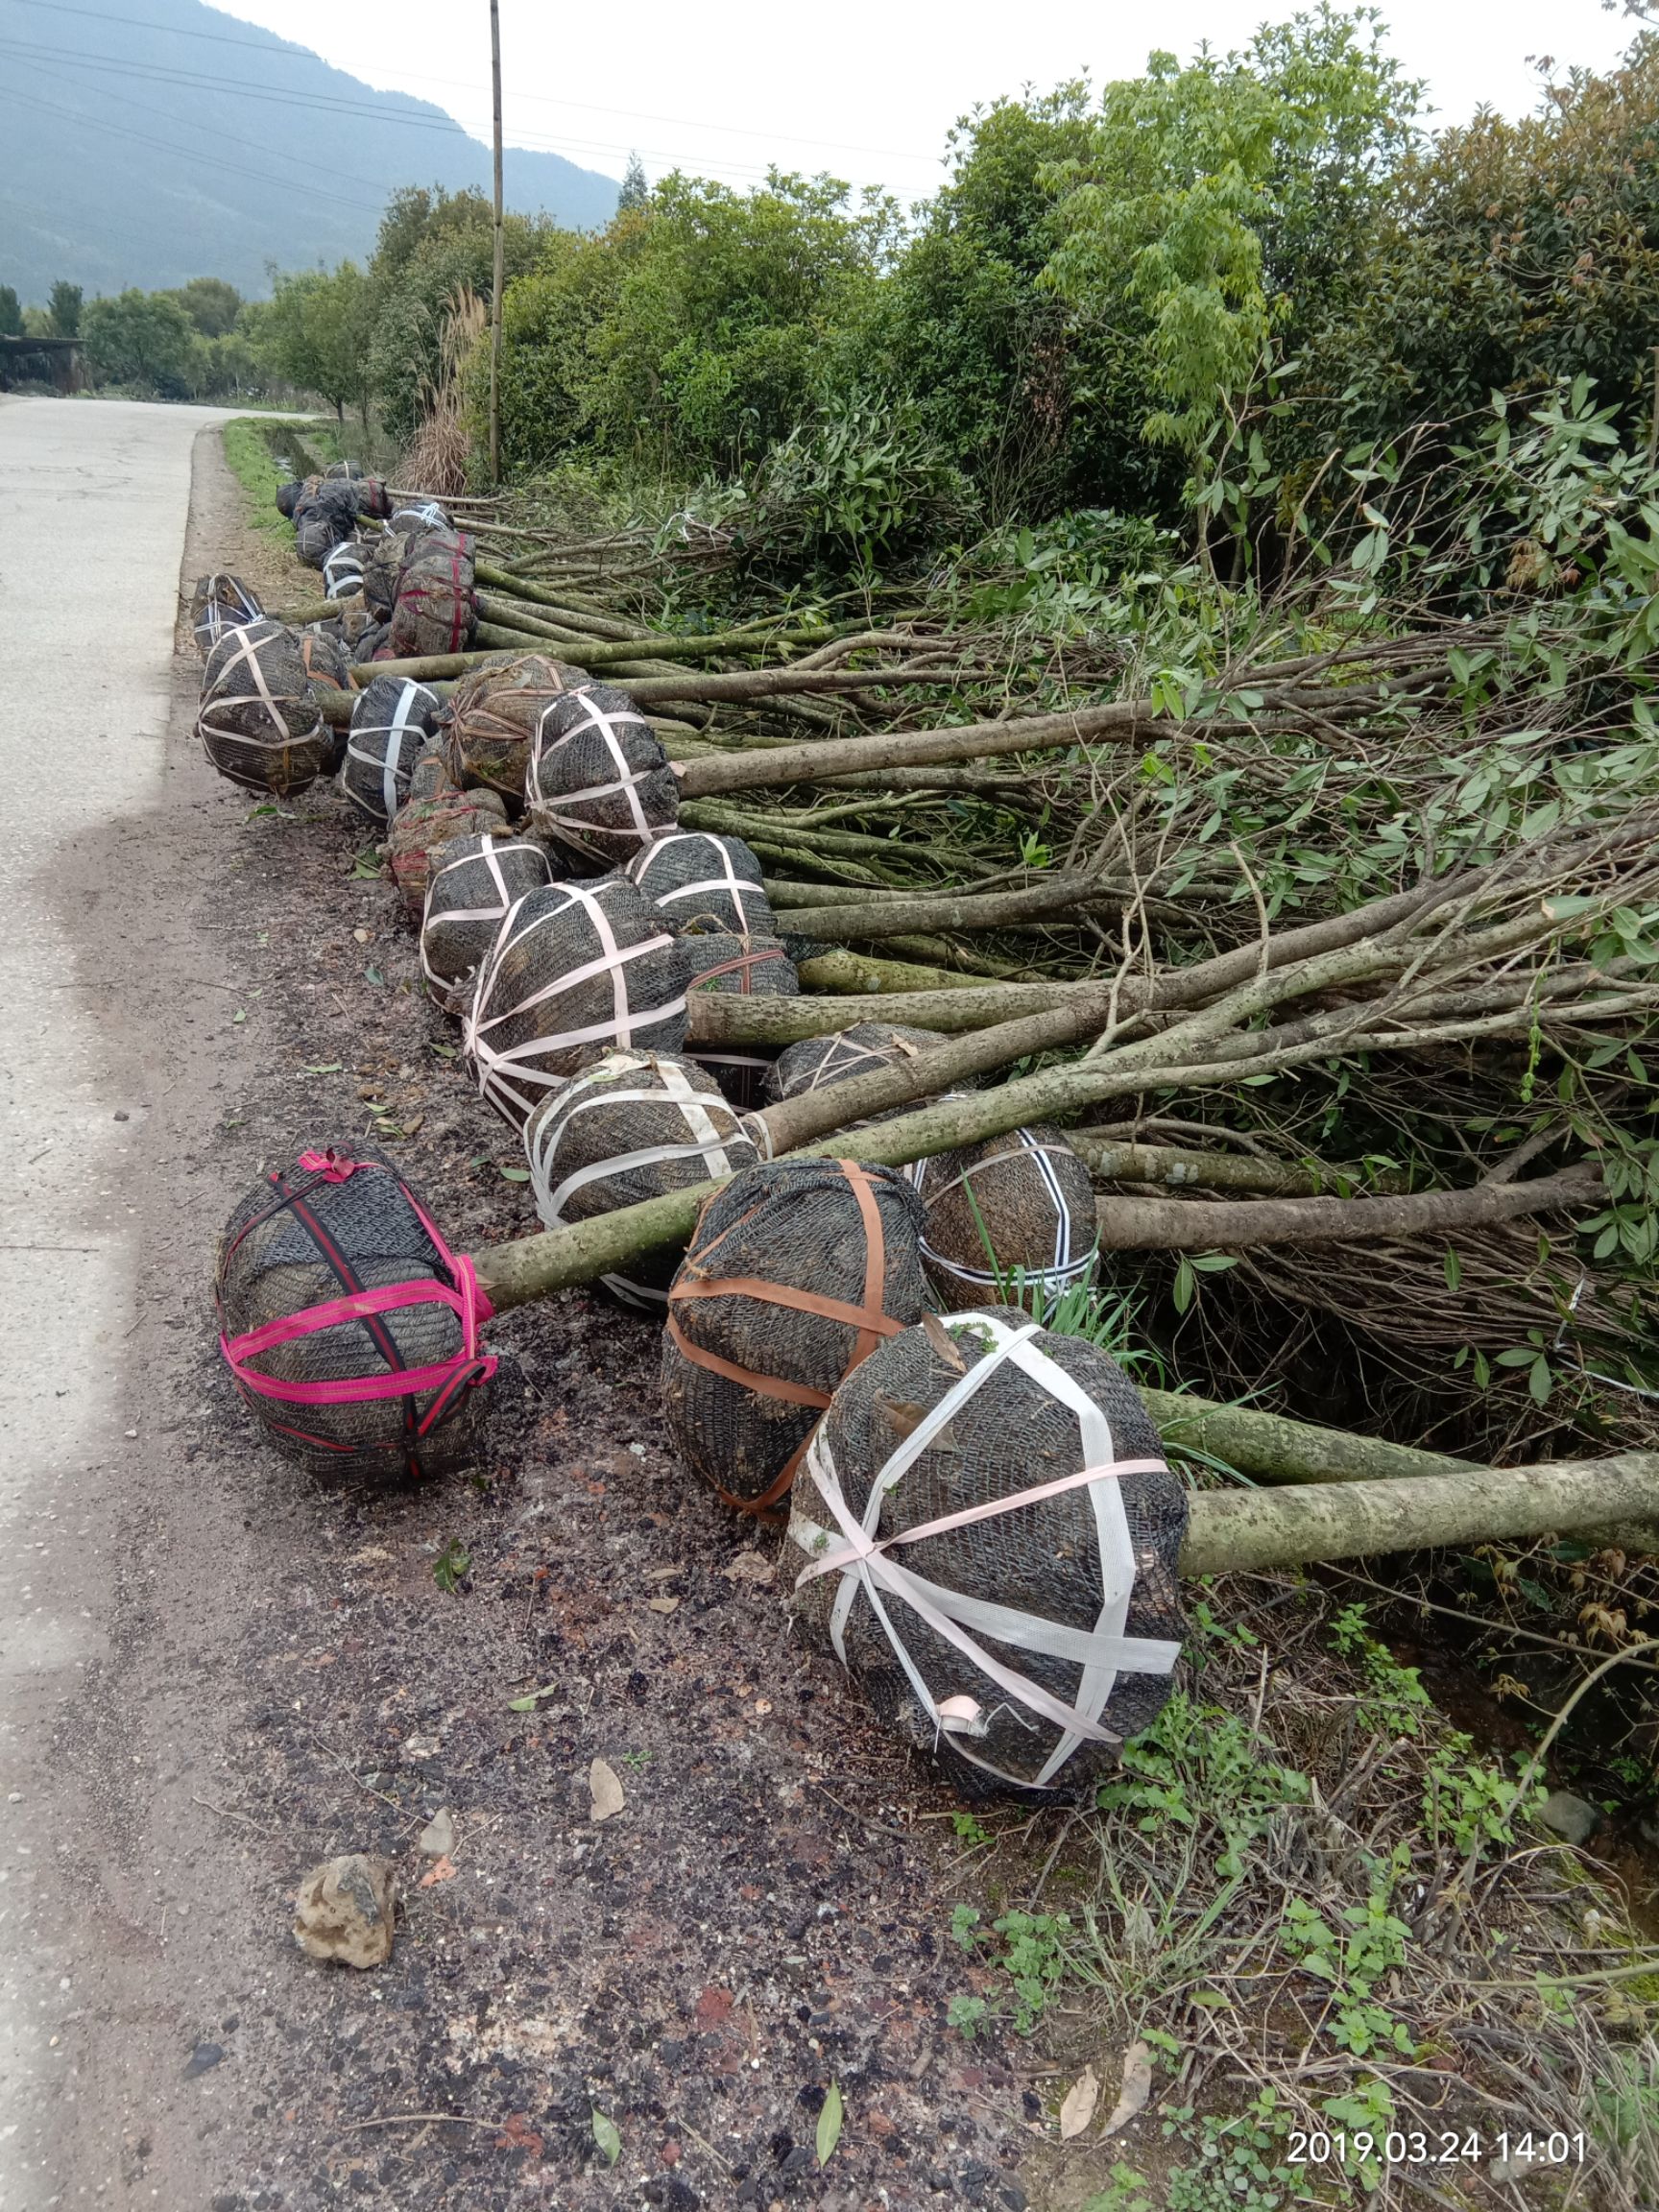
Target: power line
(184, 153)
(293, 53)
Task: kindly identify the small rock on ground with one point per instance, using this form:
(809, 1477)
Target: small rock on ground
(345, 1910)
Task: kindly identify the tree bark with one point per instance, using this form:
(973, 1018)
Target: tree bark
(1254, 1531)
(860, 974)
(988, 910)
(1180, 1225)
(1119, 1160)
(967, 1005)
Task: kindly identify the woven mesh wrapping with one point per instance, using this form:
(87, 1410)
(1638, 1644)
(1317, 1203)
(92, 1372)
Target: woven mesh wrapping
(322, 650)
(326, 514)
(392, 718)
(344, 472)
(1044, 1559)
(290, 493)
(751, 1356)
(342, 570)
(752, 967)
(428, 819)
(219, 603)
(301, 1239)
(437, 604)
(575, 966)
(1022, 1201)
(493, 716)
(382, 569)
(415, 517)
(631, 1127)
(696, 879)
(257, 721)
(817, 1063)
(596, 780)
(474, 882)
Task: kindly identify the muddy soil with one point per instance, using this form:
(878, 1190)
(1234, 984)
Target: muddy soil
(769, 1914)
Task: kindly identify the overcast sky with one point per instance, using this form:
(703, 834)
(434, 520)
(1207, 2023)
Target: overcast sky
(865, 88)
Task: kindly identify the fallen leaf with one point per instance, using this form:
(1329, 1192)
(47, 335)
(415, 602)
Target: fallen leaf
(608, 2140)
(530, 1703)
(363, 936)
(830, 2125)
(1078, 2106)
(662, 1604)
(1135, 2089)
(662, 1573)
(900, 1415)
(750, 1567)
(944, 1344)
(605, 1791)
(446, 1870)
(514, 1174)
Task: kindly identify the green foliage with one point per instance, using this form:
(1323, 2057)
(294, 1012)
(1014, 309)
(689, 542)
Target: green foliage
(1199, 1768)
(316, 333)
(11, 313)
(211, 304)
(143, 338)
(450, 1567)
(64, 306)
(1238, 2164)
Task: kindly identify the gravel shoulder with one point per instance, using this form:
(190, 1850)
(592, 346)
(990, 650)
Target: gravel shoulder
(282, 1678)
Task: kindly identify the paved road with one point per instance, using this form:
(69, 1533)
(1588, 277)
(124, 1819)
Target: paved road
(92, 529)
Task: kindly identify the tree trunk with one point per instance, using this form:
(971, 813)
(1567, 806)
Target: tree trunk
(989, 910)
(1254, 1531)
(1231, 1225)
(1120, 1160)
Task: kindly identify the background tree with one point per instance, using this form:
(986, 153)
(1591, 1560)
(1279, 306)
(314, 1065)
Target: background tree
(317, 330)
(636, 186)
(64, 308)
(143, 338)
(11, 313)
(211, 304)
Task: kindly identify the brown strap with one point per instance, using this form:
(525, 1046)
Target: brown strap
(796, 1301)
(764, 1507)
(763, 1385)
(875, 1266)
(744, 965)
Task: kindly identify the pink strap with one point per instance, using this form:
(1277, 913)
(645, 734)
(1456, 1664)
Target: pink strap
(860, 1545)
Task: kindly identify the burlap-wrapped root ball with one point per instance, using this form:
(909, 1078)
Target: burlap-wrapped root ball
(324, 652)
(597, 781)
(383, 560)
(349, 1325)
(415, 518)
(575, 966)
(796, 1272)
(326, 514)
(817, 1063)
(219, 603)
(736, 967)
(433, 815)
(631, 1127)
(290, 493)
(258, 721)
(698, 881)
(1035, 1627)
(437, 604)
(492, 716)
(342, 570)
(1013, 1214)
(476, 880)
(392, 719)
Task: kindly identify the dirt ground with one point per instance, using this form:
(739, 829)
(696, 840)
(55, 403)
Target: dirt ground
(769, 1914)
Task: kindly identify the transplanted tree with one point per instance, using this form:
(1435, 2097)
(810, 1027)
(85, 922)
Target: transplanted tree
(63, 305)
(316, 333)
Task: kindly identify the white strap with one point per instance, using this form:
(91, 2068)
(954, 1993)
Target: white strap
(1109, 1650)
(553, 1124)
(627, 782)
(734, 886)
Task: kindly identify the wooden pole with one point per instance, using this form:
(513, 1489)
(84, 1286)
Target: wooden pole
(495, 285)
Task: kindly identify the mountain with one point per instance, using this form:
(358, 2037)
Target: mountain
(149, 141)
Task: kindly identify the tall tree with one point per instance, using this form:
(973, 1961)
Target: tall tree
(64, 308)
(316, 333)
(211, 304)
(636, 185)
(11, 313)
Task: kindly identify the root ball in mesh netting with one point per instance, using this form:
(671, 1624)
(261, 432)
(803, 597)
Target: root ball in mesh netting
(1013, 1213)
(219, 603)
(290, 494)
(631, 1127)
(324, 652)
(350, 1327)
(597, 781)
(476, 880)
(392, 718)
(344, 472)
(795, 1271)
(324, 515)
(258, 721)
(696, 879)
(492, 716)
(342, 570)
(437, 604)
(817, 1062)
(1021, 1645)
(383, 560)
(748, 966)
(416, 517)
(430, 818)
(573, 967)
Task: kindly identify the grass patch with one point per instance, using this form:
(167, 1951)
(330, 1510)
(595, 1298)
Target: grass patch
(1330, 1923)
(254, 466)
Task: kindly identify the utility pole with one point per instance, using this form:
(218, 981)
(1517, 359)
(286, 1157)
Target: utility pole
(496, 289)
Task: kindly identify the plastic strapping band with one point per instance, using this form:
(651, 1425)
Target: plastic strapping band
(864, 1563)
(552, 805)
